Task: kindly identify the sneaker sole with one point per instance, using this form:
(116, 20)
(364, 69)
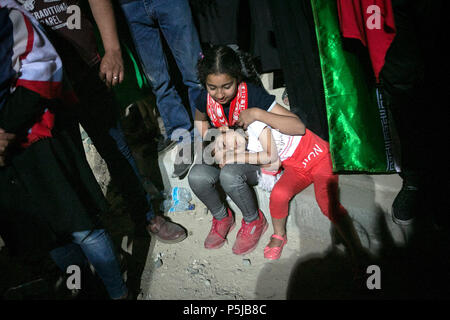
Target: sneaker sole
(221, 245)
(400, 222)
(183, 173)
(254, 247)
(404, 223)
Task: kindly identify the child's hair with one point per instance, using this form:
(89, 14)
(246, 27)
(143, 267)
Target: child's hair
(223, 59)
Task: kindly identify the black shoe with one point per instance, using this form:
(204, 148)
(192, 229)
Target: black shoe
(165, 144)
(405, 205)
(181, 168)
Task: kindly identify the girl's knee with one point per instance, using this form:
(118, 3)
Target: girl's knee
(229, 178)
(194, 175)
(197, 176)
(280, 194)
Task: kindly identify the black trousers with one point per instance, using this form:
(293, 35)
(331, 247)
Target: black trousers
(415, 85)
(413, 82)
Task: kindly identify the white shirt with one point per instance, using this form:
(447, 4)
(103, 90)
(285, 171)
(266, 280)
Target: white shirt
(286, 144)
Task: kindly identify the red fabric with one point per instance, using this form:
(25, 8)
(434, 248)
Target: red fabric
(41, 129)
(310, 163)
(47, 90)
(356, 22)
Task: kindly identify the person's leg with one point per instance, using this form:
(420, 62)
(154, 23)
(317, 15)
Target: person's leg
(238, 180)
(204, 182)
(165, 230)
(98, 117)
(117, 134)
(145, 32)
(404, 89)
(284, 190)
(107, 141)
(99, 250)
(177, 25)
(67, 255)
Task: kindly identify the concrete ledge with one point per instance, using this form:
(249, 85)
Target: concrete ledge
(368, 199)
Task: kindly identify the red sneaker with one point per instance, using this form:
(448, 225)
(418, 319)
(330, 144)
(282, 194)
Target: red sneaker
(249, 234)
(219, 230)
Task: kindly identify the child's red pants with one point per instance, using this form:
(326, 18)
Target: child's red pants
(310, 163)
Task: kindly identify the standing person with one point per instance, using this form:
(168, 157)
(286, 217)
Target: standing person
(148, 20)
(229, 91)
(49, 199)
(414, 82)
(91, 77)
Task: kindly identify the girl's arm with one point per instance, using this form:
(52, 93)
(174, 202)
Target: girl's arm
(268, 158)
(278, 118)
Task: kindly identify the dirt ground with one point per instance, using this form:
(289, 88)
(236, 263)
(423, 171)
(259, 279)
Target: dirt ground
(189, 271)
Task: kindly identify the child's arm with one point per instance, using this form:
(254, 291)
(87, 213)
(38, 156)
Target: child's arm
(268, 158)
(278, 118)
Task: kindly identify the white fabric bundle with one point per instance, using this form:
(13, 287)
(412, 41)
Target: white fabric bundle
(267, 179)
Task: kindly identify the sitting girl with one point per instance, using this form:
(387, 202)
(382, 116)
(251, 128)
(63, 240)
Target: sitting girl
(229, 91)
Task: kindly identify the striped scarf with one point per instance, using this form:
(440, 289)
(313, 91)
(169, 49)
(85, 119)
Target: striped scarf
(239, 103)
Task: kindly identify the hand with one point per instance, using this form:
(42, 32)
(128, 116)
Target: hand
(111, 68)
(247, 116)
(5, 141)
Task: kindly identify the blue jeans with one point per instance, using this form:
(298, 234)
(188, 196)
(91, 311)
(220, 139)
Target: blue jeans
(98, 248)
(146, 19)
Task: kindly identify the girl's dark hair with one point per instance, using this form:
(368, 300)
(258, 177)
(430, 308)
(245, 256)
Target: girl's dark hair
(223, 59)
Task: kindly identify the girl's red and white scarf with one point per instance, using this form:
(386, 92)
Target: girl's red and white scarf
(239, 103)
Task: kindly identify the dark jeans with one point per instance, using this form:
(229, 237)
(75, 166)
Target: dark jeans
(236, 180)
(98, 248)
(97, 114)
(148, 20)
